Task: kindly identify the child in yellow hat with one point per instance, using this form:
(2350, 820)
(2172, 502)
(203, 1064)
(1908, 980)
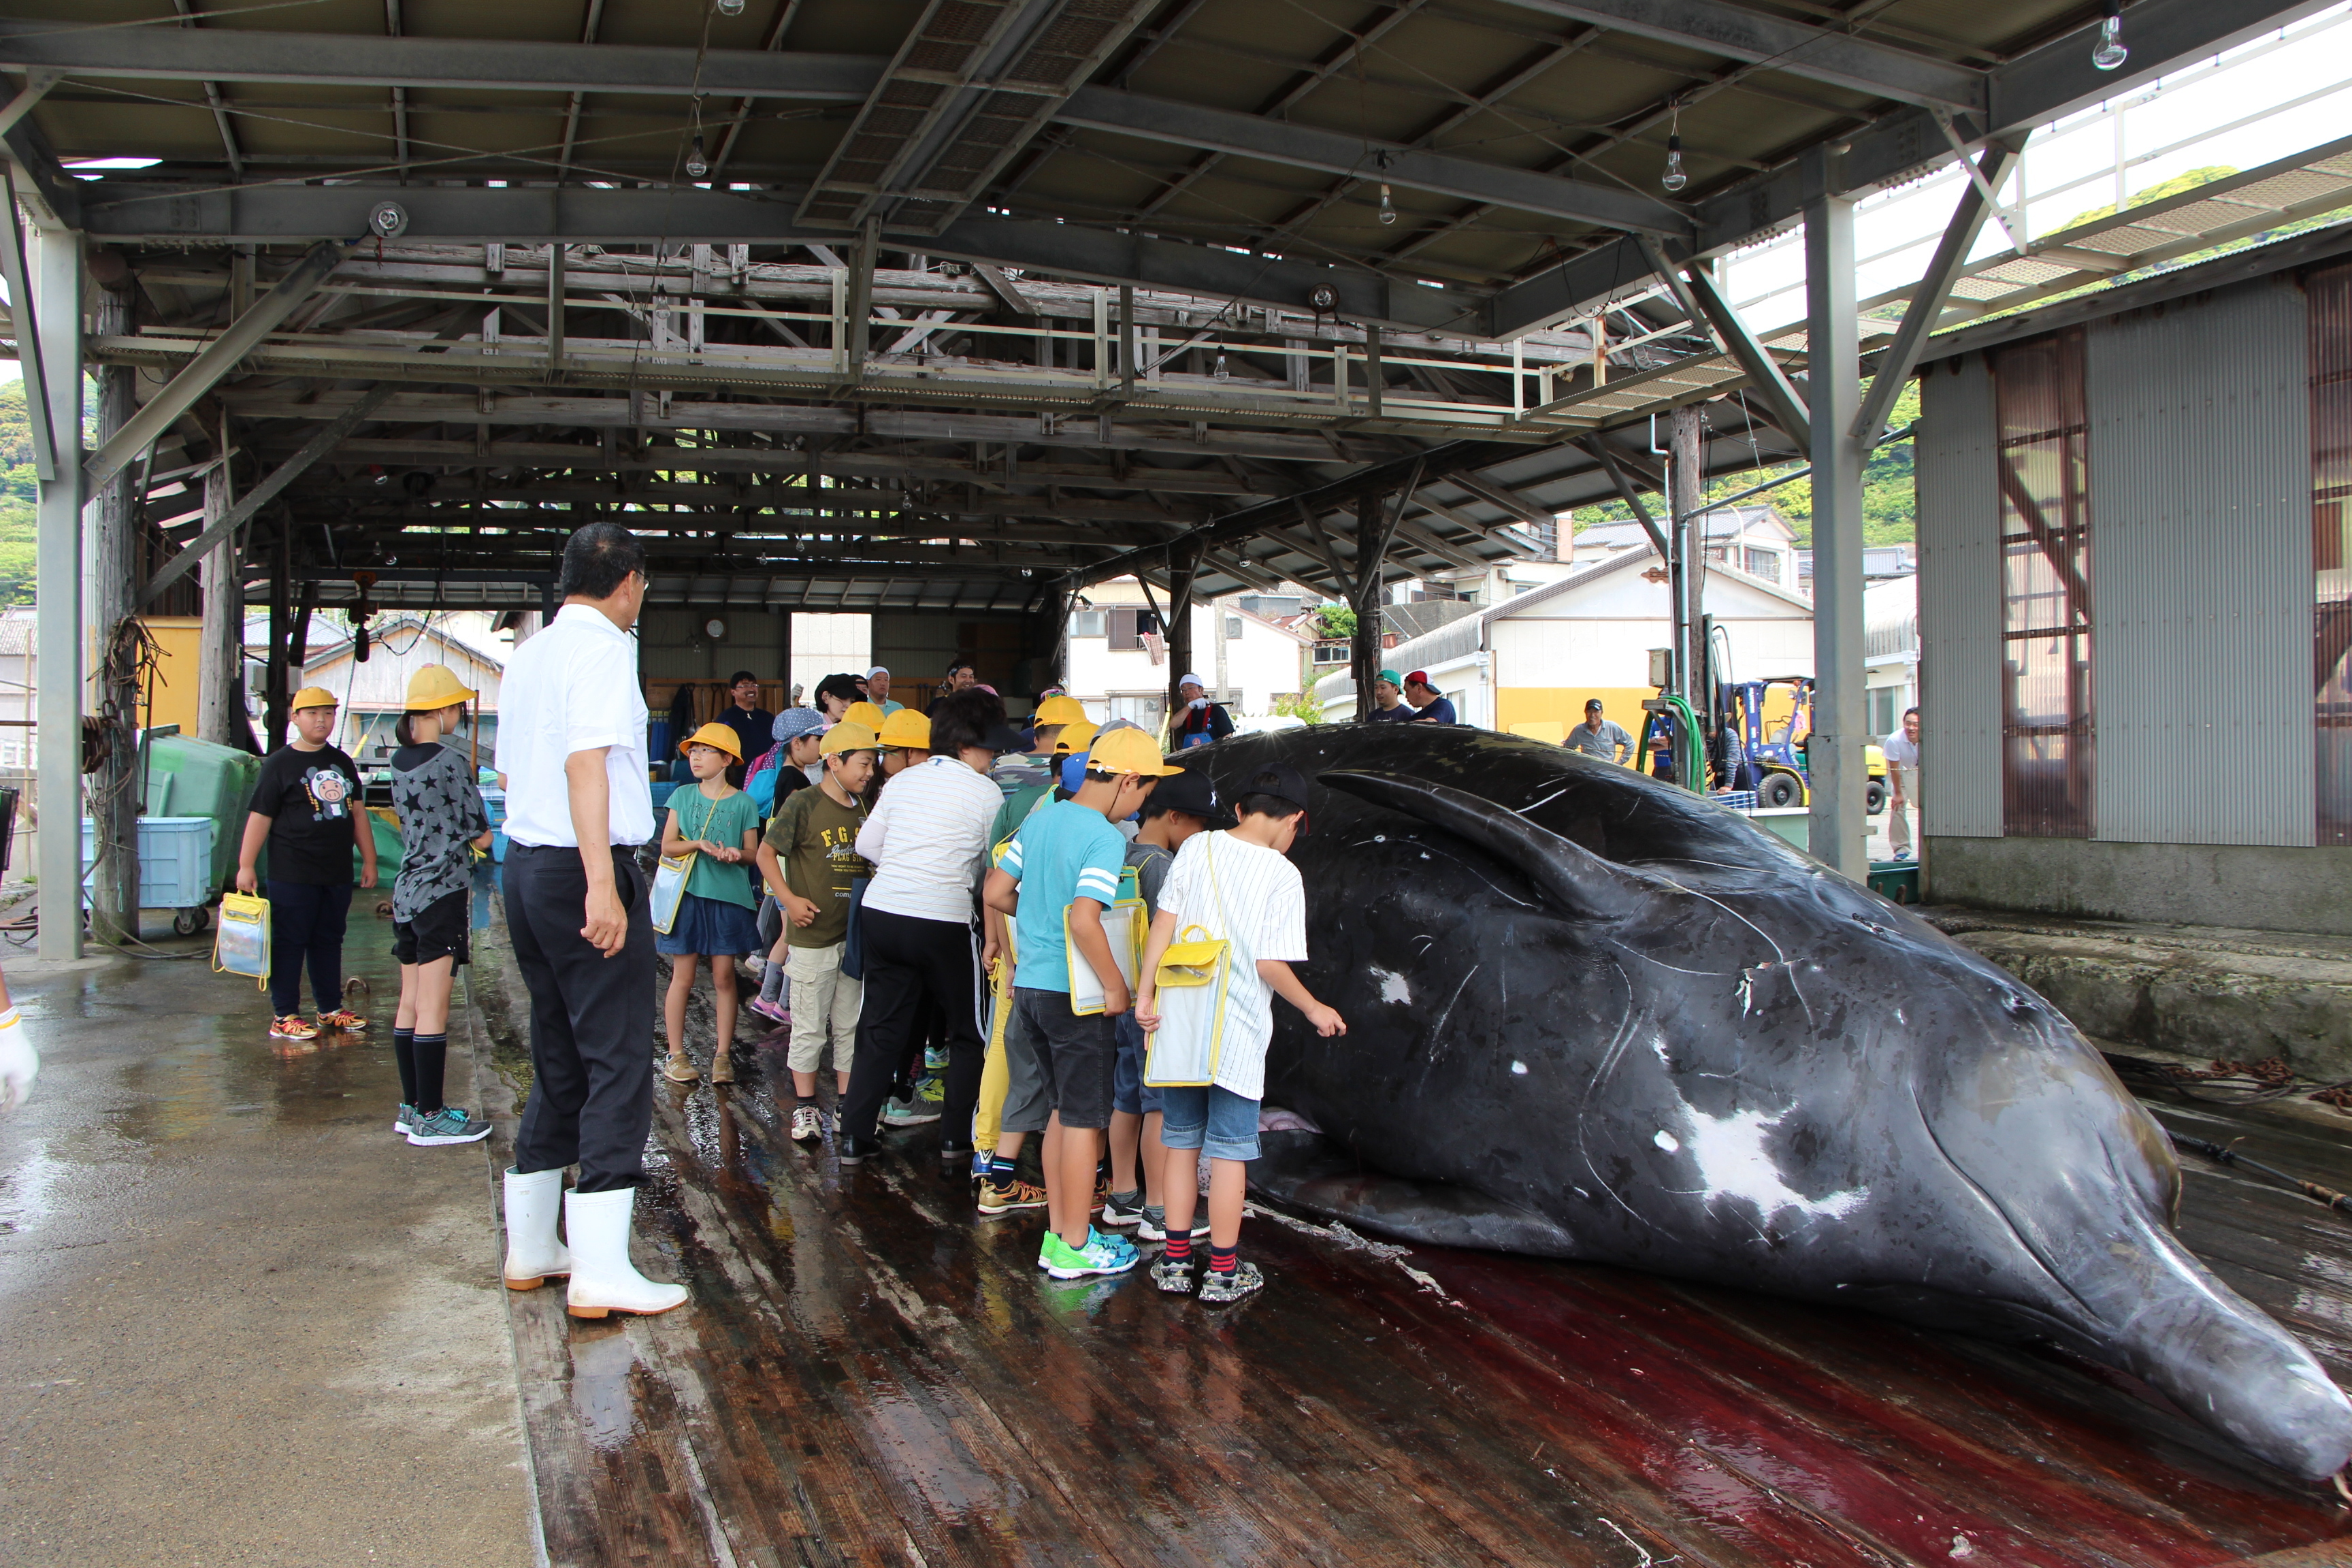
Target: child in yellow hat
(441, 821)
(720, 824)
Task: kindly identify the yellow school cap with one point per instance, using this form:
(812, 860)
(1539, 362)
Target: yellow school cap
(848, 736)
(435, 686)
(1129, 752)
(717, 737)
(865, 713)
(1074, 738)
(1059, 710)
(313, 697)
(907, 728)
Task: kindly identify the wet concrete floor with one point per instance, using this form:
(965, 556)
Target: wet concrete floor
(868, 1373)
(240, 1321)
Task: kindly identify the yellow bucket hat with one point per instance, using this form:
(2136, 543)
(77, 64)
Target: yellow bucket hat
(313, 697)
(1059, 710)
(848, 736)
(865, 713)
(907, 728)
(717, 737)
(433, 687)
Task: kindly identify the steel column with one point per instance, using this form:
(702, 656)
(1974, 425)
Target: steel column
(1840, 822)
(56, 275)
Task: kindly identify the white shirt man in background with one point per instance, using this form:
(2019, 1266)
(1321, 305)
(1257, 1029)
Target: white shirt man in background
(571, 744)
(1902, 750)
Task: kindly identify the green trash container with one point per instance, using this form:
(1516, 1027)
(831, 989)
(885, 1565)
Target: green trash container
(188, 777)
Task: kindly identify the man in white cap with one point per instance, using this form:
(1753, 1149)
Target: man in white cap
(877, 691)
(1199, 720)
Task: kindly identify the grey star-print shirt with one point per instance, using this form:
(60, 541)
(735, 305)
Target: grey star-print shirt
(439, 807)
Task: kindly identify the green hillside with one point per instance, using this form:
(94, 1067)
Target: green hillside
(17, 495)
(1888, 505)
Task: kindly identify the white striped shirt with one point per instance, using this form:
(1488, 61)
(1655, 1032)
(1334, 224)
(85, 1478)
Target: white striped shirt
(1255, 900)
(927, 837)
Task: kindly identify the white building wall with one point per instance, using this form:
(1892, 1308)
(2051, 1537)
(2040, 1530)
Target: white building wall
(1262, 662)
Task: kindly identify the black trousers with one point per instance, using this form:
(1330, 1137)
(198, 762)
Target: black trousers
(306, 924)
(909, 962)
(592, 1020)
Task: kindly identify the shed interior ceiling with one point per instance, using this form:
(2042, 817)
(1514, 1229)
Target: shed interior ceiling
(1091, 337)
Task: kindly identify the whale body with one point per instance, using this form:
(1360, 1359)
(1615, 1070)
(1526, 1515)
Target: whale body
(1593, 1017)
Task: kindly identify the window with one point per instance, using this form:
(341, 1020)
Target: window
(1881, 710)
(1129, 626)
(2330, 294)
(1331, 652)
(1764, 563)
(2047, 731)
(1086, 624)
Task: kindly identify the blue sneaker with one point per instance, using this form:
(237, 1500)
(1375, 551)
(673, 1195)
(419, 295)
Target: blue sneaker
(1101, 1255)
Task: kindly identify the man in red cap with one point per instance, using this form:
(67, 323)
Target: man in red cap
(1429, 706)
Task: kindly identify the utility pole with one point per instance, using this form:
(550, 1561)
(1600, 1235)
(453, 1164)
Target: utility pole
(110, 575)
(1686, 572)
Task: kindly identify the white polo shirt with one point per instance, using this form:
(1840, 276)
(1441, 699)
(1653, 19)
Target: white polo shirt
(573, 688)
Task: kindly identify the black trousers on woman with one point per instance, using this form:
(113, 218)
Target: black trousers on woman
(909, 962)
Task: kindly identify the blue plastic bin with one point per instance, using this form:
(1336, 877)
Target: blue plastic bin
(174, 861)
(494, 802)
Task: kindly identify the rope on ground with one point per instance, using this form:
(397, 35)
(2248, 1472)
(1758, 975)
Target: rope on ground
(2228, 1154)
(1385, 1251)
(2231, 1082)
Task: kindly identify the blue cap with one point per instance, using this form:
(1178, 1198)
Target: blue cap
(793, 723)
(1074, 770)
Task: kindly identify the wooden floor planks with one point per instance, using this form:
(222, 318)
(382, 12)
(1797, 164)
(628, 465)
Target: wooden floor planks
(869, 1374)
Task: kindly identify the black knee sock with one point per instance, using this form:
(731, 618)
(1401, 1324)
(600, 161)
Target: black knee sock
(432, 1051)
(404, 1051)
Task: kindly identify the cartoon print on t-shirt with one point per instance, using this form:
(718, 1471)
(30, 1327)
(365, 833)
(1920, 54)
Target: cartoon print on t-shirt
(329, 794)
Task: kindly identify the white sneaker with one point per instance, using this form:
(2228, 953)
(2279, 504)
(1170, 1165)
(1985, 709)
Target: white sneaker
(604, 1280)
(808, 1123)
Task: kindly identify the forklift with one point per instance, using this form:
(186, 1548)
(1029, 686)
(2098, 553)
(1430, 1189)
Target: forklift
(1753, 737)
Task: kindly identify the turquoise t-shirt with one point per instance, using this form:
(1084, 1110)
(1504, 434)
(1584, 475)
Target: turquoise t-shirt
(722, 822)
(1065, 851)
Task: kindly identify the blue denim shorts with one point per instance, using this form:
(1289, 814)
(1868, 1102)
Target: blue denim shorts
(1129, 1092)
(1215, 1121)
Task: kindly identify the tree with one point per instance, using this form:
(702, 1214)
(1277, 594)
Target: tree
(1334, 621)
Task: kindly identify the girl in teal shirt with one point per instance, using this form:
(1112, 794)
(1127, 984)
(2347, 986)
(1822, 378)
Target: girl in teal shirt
(720, 825)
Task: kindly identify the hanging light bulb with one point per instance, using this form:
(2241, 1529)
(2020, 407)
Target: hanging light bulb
(730, 7)
(1387, 207)
(1221, 373)
(1674, 179)
(697, 165)
(2111, 52)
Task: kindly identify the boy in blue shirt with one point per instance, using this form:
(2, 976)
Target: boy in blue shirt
(1068, 858)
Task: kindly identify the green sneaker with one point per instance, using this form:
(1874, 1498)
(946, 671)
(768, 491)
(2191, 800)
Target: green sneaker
(448, 1125)
(1101, 1255)
(403, 1121)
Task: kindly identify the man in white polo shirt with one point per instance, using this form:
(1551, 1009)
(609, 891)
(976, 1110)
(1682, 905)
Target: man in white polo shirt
(571, 744)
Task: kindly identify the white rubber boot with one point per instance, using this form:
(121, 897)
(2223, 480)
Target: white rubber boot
(534, 1202)
(602, 1279)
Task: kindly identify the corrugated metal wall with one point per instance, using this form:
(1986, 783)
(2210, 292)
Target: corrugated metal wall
(1959, 601)
(2200, 515)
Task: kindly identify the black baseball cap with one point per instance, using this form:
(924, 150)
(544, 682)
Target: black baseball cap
(1192, 791)
(1003, 739)
(1279, 780)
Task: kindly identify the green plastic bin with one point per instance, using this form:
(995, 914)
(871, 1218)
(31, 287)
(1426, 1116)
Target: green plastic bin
(188, 777)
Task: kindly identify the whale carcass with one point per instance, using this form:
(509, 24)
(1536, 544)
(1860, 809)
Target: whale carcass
(1593, 1017)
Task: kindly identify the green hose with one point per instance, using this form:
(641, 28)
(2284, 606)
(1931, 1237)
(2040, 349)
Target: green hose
(1690, 765)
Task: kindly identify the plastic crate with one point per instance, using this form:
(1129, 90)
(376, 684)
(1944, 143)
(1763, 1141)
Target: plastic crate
(188, 777)
(494, 802)
(662, 790)
(1895, 880)
(174, 861)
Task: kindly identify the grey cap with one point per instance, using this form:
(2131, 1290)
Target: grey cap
(793, 723)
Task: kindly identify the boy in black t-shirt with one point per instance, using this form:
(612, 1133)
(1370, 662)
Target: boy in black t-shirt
(306, 808)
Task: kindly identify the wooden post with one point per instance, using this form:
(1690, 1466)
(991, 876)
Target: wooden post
(110, 575)
(1374, 522)
(1686, 570)
(1183, 566)
(220, 648)
(281, 616)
